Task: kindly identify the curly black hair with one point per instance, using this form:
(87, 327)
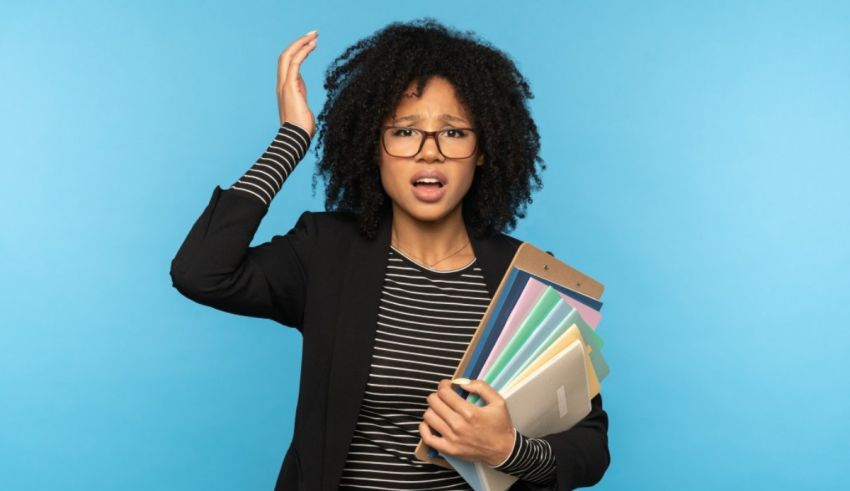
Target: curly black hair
(364, 86)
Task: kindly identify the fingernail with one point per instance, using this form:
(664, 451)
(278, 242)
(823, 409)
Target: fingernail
(311, 32)
(460, 381)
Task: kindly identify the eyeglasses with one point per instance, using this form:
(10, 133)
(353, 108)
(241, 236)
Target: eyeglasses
(453, 143)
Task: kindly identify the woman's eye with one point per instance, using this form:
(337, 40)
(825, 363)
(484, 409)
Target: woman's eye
(403, 132)
(455, 133)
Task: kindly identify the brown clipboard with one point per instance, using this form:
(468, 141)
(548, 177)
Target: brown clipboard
(537, 262)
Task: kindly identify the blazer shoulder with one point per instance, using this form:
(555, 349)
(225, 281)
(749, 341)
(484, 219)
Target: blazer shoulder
(507, 241)
(515, 243)
(334, 222)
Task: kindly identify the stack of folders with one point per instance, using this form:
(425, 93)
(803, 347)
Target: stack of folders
(537, 346)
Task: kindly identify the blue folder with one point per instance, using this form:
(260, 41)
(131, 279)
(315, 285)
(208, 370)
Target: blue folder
(514, 286)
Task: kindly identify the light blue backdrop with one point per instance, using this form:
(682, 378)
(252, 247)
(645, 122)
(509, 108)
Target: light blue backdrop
(698, 160)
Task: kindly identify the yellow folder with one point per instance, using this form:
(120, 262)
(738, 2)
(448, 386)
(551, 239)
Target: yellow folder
(560, 344)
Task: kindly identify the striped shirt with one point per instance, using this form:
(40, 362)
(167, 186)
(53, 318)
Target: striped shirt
(426, 318)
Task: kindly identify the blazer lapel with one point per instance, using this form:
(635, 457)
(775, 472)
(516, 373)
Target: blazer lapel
(355, 337)
(494, 254)
(357, 325)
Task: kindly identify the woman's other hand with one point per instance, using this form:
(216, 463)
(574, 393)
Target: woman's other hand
(291, 91)
(481, 434)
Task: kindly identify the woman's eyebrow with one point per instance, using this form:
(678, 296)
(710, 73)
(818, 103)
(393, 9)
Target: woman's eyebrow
(444, 117)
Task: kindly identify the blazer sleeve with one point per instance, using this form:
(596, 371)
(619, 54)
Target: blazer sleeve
(215, 266)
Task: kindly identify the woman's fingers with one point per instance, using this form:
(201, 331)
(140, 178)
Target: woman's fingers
(285, 57)
(485, 391)
(457, 403)
(437, 423)
(453, 419)
(293, 73)
(434, 441)
(291, 90)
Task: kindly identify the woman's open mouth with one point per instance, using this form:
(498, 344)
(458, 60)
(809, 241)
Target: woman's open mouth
(429, 186)
(428, 189)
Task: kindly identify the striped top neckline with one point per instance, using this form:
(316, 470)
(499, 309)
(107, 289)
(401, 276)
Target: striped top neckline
(427, 269)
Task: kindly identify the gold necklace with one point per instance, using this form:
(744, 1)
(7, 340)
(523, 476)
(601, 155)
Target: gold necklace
(423, 261)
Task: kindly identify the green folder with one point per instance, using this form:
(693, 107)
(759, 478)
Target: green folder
(541, 309)
(572, 318)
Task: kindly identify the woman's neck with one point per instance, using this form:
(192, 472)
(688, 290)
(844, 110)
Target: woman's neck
(444, 242)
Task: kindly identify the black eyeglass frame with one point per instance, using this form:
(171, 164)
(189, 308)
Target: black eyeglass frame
(425, 135)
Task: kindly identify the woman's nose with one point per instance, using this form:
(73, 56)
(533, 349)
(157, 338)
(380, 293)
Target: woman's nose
(430, 149)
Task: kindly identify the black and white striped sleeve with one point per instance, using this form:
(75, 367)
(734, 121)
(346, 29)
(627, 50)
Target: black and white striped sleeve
(265, 178)
(531, 460)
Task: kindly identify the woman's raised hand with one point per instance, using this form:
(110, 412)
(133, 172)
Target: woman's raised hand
(291, 91)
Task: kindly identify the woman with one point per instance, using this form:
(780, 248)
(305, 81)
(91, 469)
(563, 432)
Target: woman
(429, 155)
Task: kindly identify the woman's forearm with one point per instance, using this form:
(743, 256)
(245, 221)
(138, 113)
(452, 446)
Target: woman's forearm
(265, 178)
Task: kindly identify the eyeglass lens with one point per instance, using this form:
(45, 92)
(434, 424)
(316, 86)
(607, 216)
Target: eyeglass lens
(454, 143)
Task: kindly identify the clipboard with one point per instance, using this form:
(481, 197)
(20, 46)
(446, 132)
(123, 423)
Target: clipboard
(539, 263)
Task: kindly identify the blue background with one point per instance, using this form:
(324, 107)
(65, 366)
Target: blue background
(698, 160)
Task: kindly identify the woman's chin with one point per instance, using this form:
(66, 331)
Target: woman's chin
(426, 212)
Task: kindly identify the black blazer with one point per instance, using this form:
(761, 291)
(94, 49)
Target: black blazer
(324, 278)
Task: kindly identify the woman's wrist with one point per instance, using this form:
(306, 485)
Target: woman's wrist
(506, 450)
(304, 131)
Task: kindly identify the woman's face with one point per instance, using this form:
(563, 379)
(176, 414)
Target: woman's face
(437, 108)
